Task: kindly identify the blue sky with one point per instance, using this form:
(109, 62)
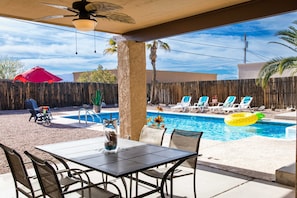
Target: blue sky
(217, 50)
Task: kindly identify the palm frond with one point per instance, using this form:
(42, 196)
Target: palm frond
(279, 65)
(287, 63)
(289, 36)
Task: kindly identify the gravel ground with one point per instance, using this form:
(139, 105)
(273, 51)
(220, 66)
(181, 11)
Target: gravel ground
(17, 132)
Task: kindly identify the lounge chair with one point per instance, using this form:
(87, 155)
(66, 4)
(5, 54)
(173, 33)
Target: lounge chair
(243, 105)
(228, 103)
(183, 105)
(36, 111)
(201, 105)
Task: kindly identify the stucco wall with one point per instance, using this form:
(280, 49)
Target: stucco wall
(251, 70)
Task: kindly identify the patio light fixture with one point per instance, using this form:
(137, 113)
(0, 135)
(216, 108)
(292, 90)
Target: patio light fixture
(84, 24)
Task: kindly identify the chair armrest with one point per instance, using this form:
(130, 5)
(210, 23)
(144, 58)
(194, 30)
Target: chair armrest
(220, 104)
(88, 183)
(235, 105)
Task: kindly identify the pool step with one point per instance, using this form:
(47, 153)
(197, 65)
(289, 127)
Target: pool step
(291, 132)
(286, 175)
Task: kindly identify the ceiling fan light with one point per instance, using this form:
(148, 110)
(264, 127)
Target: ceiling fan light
(84, 24)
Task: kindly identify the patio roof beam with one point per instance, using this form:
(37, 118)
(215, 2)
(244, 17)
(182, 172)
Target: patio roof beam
(238, 13)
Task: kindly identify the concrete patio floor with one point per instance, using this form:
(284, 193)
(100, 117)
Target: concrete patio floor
(211, 182)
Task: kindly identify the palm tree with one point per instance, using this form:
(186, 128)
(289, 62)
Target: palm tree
(113, 48)
(153, 56)
(278, 65)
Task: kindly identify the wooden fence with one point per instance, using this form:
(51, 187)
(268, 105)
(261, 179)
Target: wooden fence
(13, 95)
(280, 92)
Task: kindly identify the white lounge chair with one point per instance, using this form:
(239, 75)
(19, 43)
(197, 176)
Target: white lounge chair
(228, 103)
(183, 105)
(201, 105)
(243, 105)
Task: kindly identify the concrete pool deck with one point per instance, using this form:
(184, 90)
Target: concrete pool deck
(243, 168)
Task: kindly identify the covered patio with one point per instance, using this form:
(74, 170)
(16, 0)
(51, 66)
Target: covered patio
(153, 20)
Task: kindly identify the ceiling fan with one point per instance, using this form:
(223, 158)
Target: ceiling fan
(87, 12)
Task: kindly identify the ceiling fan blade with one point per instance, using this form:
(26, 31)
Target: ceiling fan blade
(62, 7)
(120, 17)
(98, 6)
(55, 17)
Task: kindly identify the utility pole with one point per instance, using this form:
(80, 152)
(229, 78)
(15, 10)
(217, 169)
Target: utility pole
(245, 48)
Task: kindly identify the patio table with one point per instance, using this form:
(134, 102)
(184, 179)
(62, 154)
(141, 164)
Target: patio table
(131, 157)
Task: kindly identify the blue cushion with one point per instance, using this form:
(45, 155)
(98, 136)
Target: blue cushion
(186, 98)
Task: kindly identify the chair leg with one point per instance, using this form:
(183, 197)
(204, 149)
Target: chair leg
(17, 193)
(194, 184)
(171, 187)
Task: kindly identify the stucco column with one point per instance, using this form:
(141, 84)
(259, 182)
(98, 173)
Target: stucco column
(132, 88)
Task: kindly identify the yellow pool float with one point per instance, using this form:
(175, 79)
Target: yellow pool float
(241, 119)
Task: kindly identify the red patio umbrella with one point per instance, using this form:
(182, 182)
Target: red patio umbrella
(37, 75)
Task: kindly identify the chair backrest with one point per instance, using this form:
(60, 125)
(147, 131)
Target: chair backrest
(186, 140)
(151, 135)
(186, 100)
(31, 104)
(245, 102)
(18, 170)
(47, 177)
(203, 101)
(28, 104)
(34, 103)
(229, 101)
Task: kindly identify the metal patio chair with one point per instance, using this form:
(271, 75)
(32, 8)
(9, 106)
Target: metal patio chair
(51, 186)
(184, 140)
(25, 183)
(22, 180)
(151, 135)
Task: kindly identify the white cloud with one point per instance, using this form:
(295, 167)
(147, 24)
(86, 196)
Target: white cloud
(216, 50)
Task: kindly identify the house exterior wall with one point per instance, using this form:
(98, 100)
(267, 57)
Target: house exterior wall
(167, 76)
(251, 70)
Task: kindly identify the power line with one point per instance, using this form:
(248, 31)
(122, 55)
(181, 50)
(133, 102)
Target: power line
(212, 45)
(258, 55)
(206, 55)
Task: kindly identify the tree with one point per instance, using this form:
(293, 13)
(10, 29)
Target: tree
(113, 48)
(153, 56)
(10, 67)
(98, 75)
(279, 65)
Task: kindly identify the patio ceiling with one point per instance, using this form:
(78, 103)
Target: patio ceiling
(155, 18)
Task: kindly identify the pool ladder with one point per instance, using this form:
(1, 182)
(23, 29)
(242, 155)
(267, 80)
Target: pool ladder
(89, 112)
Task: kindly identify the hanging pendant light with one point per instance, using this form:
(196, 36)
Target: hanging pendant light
(84, 24)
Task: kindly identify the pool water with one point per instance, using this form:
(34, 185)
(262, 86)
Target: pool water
(214, 128)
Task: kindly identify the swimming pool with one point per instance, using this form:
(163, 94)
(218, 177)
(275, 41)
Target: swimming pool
(214, 128)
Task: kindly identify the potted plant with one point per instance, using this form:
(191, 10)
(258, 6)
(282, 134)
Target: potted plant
(158, 121)
(214, 100)
(97, 101)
